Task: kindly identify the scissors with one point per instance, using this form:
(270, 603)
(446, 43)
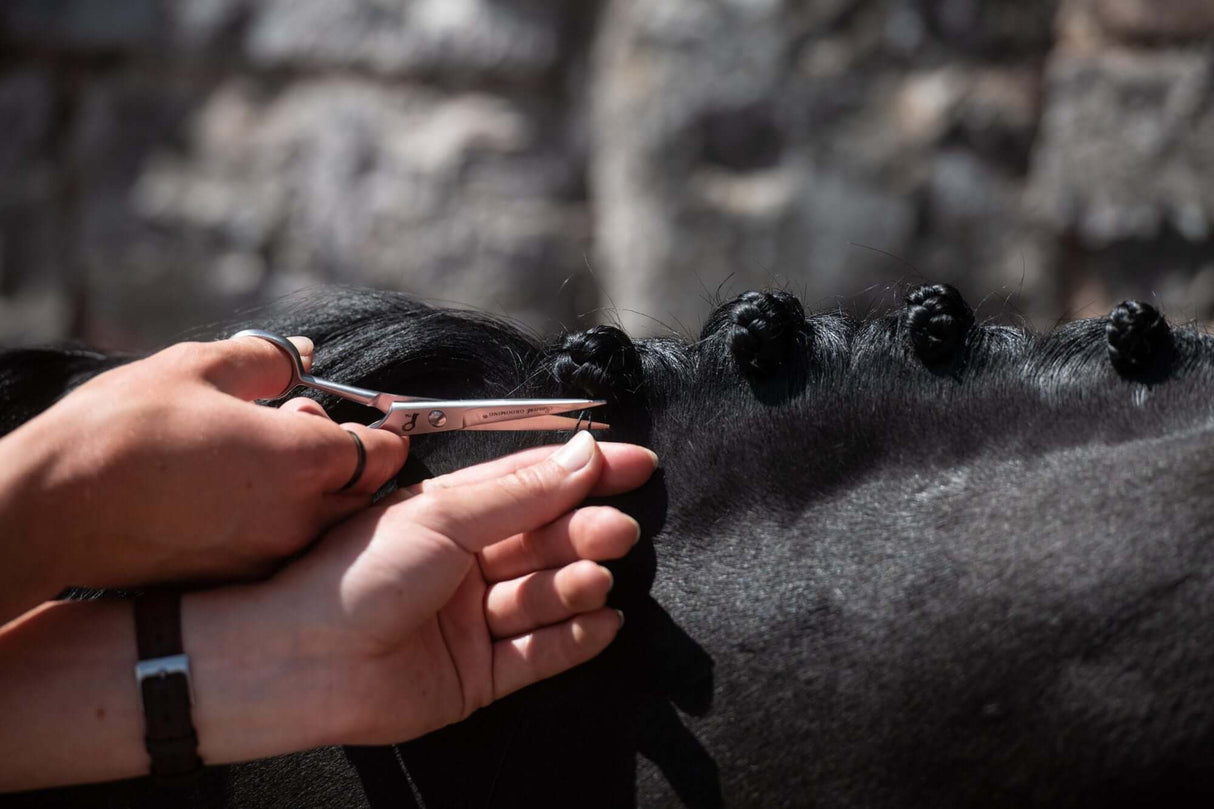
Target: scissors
(414, 415)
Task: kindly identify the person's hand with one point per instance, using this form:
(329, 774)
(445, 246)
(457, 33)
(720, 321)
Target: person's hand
(164, 469)
(404, 618)
(458, 592)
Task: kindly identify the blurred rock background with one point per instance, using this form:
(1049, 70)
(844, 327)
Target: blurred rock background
(169, 163)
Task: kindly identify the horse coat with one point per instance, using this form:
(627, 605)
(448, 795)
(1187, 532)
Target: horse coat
(909, 561)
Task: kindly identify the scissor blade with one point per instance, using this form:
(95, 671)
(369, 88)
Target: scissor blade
(542, 423)
(494, 411)
(415, 418)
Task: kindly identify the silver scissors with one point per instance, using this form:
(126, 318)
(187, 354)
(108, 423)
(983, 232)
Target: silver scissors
(414, 415)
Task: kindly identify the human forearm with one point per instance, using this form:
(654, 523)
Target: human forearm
(30, 555)
(68, 697)
(71, 709)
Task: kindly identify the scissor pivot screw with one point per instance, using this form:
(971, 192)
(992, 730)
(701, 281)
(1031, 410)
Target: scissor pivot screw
(437, 418)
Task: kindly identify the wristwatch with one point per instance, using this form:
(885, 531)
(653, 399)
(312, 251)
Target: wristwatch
(163, 678)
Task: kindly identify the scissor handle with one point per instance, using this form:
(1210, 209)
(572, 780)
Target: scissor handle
(298, 372)
(299, 376)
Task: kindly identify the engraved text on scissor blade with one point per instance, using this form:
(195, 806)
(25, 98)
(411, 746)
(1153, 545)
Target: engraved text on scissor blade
(516, 412)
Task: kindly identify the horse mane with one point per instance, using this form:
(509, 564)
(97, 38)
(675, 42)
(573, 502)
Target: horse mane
(910, 560)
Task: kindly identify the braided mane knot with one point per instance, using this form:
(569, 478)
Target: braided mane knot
(1136, 333)
(762, 329)
(601, 363)
(938, 320)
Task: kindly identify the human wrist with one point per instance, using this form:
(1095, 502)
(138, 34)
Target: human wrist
(256, 692)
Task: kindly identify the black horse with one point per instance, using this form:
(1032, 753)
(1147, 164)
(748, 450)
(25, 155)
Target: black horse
(910, 561)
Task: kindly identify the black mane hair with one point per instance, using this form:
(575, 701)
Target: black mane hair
(907, 561)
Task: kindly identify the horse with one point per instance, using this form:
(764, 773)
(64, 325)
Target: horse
(908, 560)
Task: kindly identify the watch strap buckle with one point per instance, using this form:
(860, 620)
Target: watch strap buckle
(164, 667)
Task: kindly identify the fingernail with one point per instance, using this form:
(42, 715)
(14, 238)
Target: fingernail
(621, 614)
(576, 453)
(610, 577)
(653, 455)
(636, 538)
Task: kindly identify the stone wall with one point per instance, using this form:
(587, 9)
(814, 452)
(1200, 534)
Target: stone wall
(167, 163)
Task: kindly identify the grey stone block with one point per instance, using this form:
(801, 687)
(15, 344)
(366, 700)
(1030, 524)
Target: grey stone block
(38, 317)
(86, 24)
(1149, 21)
(27, 110)
(31, 224)
(456, 37)
(1126, 139)
(992, 28)
(256, 192)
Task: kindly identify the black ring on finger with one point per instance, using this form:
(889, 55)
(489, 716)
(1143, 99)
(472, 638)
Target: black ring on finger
(362, 462)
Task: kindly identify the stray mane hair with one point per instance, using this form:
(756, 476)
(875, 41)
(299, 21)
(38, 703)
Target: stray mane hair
(906, 561)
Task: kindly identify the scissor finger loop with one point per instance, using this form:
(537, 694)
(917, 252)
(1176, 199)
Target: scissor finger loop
(298, 372)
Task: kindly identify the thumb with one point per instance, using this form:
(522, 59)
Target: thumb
(479, 514)
(252, 368)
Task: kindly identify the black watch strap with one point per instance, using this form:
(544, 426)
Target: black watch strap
(163, 677)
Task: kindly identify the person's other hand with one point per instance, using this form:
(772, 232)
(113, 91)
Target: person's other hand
(163, 469)
(460, 591)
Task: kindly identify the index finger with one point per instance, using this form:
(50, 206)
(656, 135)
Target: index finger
(625, 467)
(477, 514)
